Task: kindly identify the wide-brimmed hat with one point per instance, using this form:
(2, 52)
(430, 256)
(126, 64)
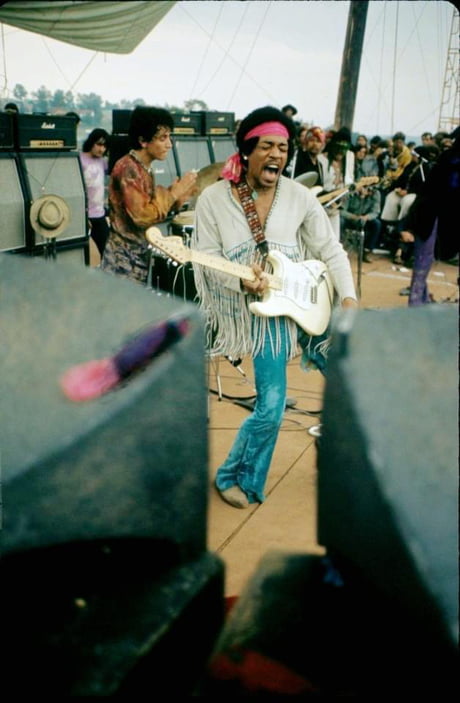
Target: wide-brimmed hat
(49, 215)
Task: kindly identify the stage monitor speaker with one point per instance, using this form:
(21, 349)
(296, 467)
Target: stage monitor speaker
(388, 459)
(57, 173)
(130, 463)
(222, 148)
(191, 153)
(12, 204)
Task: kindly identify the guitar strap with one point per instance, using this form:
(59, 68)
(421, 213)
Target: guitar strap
(247, 203)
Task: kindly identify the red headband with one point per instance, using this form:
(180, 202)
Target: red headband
(233, 167)
(267, 128)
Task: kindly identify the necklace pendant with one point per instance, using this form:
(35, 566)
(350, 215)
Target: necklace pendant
(254, 195)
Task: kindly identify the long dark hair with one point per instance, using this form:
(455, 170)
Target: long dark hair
(145, 122)
(94, 137)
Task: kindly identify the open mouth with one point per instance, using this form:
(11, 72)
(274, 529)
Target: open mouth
(271, 172)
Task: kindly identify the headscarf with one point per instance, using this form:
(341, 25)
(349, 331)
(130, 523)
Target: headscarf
(316, 133)
(233, 167)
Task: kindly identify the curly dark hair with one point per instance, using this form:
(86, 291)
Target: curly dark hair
(94, 137)
(145, 122)
(257, 117)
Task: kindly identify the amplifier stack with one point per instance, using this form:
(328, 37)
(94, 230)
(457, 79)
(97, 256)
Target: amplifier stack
(39, 159)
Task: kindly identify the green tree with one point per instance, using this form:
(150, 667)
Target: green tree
(58, 100)
(19, 92)
(41, 99)
(90, 107)
(69, 100)
(195, 104)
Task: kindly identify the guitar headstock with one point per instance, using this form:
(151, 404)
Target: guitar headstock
(173, 247)
(367, 181)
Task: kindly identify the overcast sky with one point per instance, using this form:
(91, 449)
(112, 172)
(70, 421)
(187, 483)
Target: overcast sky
(236, 56)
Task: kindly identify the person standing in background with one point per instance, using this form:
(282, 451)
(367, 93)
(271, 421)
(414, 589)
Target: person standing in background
(338, 161)
(94, 166)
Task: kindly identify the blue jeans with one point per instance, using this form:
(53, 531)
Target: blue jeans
(248, 461)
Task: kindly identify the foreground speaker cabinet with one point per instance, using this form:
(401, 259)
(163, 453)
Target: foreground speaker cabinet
(57, 173)
(388, 461)
(105, 502)
(131, 463)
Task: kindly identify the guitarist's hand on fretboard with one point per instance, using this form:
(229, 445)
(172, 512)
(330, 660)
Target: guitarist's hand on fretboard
(259, 285)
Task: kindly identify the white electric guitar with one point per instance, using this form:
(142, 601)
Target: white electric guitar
(302, 291)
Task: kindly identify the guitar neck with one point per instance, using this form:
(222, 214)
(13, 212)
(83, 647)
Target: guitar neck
(333, 194)
(224, 266)
(367, 180)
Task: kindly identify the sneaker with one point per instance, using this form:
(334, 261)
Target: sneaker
(235, 497)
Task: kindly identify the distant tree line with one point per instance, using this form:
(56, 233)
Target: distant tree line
(91, 108)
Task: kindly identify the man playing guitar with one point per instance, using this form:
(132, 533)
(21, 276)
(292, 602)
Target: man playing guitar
(254, 208)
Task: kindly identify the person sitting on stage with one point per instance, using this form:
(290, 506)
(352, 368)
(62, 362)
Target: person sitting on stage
(360, 210)
(290, 220)
(135, 201)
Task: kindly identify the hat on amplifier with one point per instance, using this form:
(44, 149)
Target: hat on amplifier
(49, 215)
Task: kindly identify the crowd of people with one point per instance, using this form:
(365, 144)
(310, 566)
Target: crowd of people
(380, 179)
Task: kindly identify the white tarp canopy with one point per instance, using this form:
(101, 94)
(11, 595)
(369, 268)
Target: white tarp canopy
(111, 27)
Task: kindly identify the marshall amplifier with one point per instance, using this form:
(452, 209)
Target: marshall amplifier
(120, 121)
(6, 131)
(218, 122)
(46, 132)
(187, 123)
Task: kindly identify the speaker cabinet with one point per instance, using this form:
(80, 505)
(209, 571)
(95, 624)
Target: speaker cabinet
(64, 252)
(12, 204)
(165, 171)
(104, 562)
(191, 153)
(222, 148)
(120, 121)
(129, 464)
(57, 173)
(388, 460)
(119, 146)
(7, 131)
